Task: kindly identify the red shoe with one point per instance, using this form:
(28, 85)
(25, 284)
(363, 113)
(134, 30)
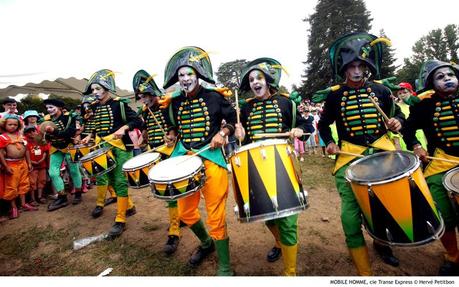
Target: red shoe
(14, 213)
(28, 207)
(84, 188)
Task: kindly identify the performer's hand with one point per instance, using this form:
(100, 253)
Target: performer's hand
(217, 141)
(120, 132)
(49, 129)
(296, 132)
(421, 153)
(86, 139)
(394, 125)
(332, 148)
(239, 132)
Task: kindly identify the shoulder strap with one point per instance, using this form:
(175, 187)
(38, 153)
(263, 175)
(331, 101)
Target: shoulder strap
(293, 114)
(123, 112)
(171, 116)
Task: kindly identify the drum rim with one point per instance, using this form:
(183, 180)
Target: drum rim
(158, 158)
(446, 176)
(98, 151)
(103, 172)
(182, 195)
(201, 167)
(273, 215)
(77, 146)
(436, 236)
(408, 172)
(268, 142)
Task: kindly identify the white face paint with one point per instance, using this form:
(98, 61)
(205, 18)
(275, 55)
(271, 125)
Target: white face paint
(445, 81)
(258, 85)
(148, 100)
(355, 71)
(188, 79)
(99, 92)
(52, 110)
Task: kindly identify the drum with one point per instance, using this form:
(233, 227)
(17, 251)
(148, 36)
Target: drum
(395, 200)
(98, 162)
(80, 150)
(137, 168)
(451, 183)
(266, 181)
(177, 177)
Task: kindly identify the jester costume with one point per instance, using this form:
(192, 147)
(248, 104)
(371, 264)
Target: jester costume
(438, 117)
(274, 115)
(360, 128)
(60, 139)
(198, 119)
(109, 117)
(155, 123)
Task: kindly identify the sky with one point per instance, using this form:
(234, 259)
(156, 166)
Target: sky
(47, 39)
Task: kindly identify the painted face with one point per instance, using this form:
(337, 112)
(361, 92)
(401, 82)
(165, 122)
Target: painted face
(258, 85)
(99, 92)
(10, 108)
(52, 110)
(11, 125)
(445, 81)
(403, 94)
(188, 79)
(148, 99)
(355, 71)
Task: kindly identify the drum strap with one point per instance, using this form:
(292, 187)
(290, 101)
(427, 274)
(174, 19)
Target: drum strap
(293, 114)
(439, 166)
(123, 112)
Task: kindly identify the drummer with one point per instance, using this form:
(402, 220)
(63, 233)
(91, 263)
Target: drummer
(437, 115)
(198, 112)
(279, 114)
(60, 133)
(156, 123)
(113, 118)
(361, 129)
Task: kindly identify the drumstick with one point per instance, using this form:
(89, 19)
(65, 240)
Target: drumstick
(350, 153)
(195, 154)
(386, 118)
(238, 115)
(274, 135)
(442, 159)
(156, 121)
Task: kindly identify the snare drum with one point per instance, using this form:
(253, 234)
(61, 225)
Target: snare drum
(137, 169)
(177, 177)
(80, 150)
(451, 183)
(395, 200)
(98, 162)
(266, 181)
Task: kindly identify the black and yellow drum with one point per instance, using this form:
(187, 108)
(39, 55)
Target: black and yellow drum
(267, 181)
(98, 162)
(395, 200)
(80, 150)
(137, 168)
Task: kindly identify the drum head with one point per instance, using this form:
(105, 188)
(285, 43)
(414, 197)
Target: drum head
(78, 146)
(451, 180)
(381, 166)
(175, 168)
(95, 154)
(141, 160)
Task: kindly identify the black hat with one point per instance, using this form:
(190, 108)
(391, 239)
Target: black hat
(424, 81)
(54, 102)
(143, 83)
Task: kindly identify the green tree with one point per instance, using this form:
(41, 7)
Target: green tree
(229, 73)
(31, 102)
(438, 44)
(331, 20)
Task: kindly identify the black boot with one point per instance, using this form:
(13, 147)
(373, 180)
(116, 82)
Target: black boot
(449, 269)
(110, 200)
(77, 198)
(116, 231)
(131, 211)
(274, 254)
(200, 253)
(97, 211)
(385, 252)
(60, 202)
(171, 244)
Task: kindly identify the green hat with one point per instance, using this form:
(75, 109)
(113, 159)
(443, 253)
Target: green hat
(424, 81)
(356, 46)
(193, 57)
(271, 68)
(105, 78)
(143, 83)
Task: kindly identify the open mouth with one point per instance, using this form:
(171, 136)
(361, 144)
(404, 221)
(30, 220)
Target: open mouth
(257, 89)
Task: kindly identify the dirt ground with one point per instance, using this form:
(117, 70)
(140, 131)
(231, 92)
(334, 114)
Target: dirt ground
(40, 243)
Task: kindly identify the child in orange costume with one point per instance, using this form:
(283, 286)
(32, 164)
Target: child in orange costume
(15, 159)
